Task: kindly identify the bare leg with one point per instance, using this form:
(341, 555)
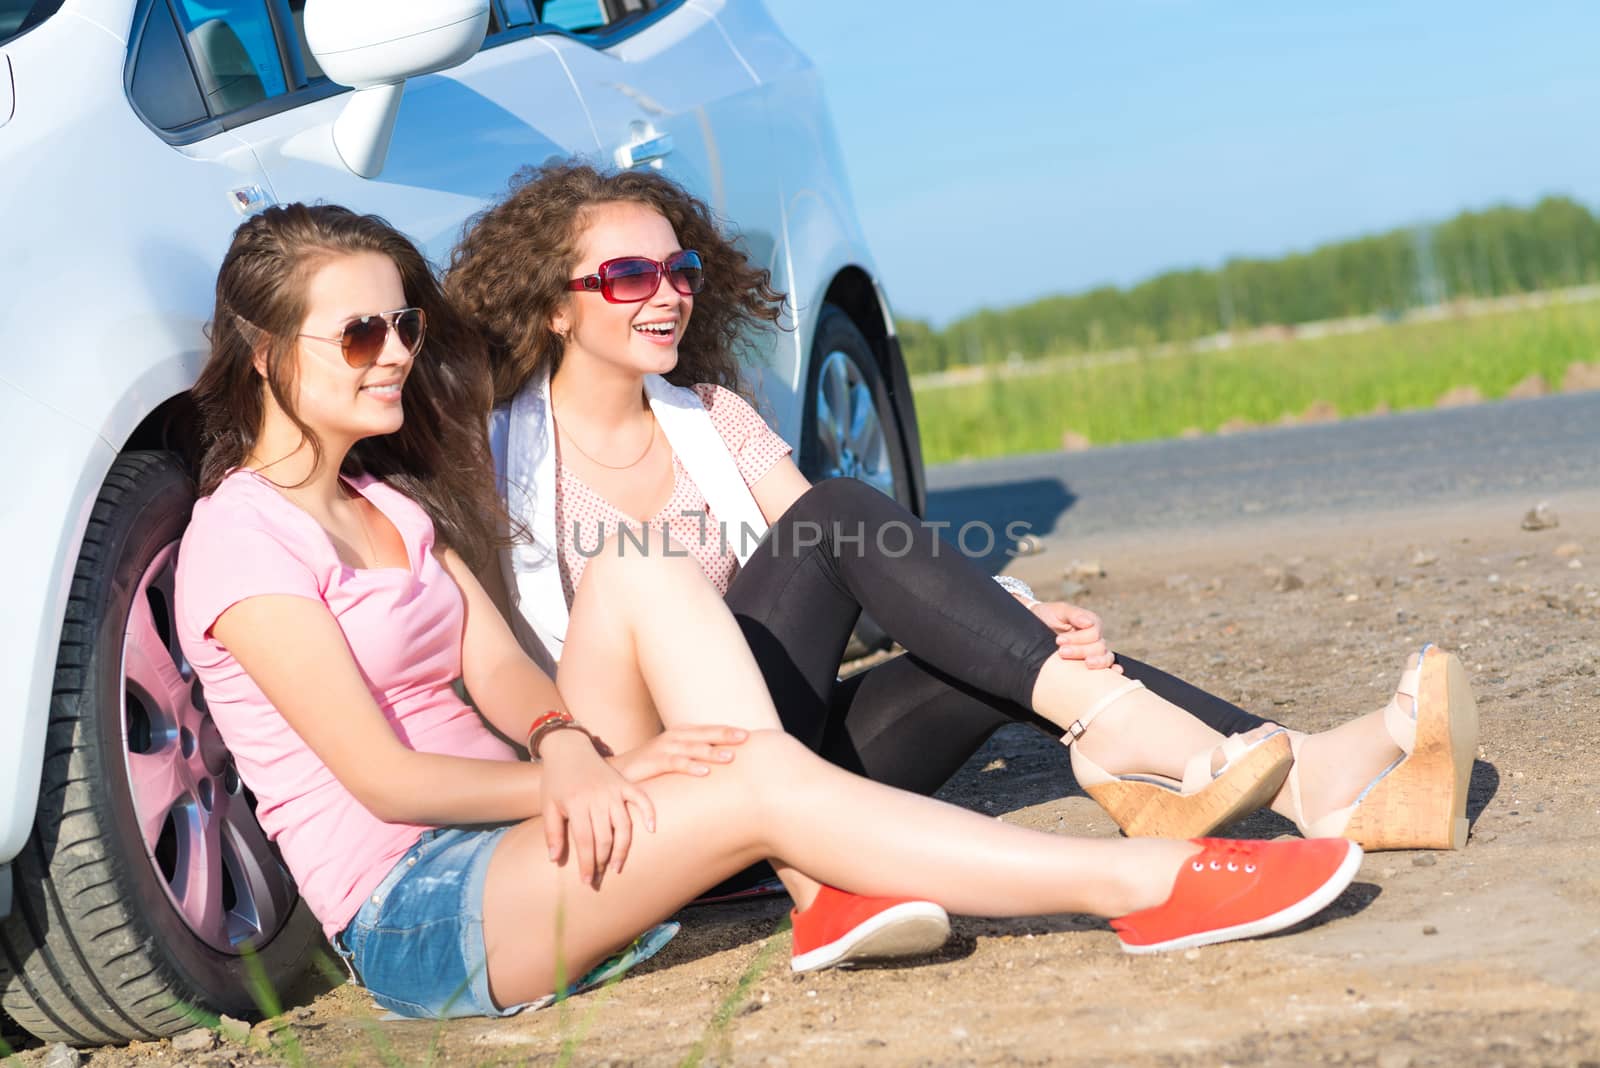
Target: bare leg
(1336, 765)
(779, 800)
(1139, 732)
(628, 621)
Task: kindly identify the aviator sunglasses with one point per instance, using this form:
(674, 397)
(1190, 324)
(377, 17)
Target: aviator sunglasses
(363, 337)
(630, 279)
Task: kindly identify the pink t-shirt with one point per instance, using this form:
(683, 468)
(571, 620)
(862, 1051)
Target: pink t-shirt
(404, 628)
(582, 512)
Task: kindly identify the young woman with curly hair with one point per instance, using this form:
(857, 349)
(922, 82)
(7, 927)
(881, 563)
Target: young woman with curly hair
(615, 307)
(327, 604)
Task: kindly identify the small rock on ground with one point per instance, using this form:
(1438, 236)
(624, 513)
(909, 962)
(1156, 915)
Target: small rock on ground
(1030, 545)
(197, 1040)
(1541, 517)
(233, 1030)
(1085, 569)
(62, 1055)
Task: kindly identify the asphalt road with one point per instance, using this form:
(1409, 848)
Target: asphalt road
(1525, 449)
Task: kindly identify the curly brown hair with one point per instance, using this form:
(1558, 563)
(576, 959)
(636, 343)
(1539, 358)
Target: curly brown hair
(511, 268)
(440, 455)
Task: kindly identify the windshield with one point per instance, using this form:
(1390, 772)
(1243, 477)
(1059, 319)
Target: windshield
(17, 17)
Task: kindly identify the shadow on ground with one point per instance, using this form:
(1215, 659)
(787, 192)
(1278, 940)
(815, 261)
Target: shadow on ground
(1483, 788)
(1036, 505)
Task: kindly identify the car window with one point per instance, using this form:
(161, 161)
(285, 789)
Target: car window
(590, 16)
(163, 85)
(518, 12)
(297, 11)
(235, 51)
(19, 16)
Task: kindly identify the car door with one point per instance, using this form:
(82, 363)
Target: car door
(665, 90)
(460, 136)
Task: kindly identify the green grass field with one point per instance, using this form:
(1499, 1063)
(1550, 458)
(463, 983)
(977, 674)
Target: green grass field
(1402, 366)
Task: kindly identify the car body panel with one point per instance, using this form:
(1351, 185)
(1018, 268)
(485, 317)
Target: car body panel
(821, 239)
(715, 113)
(461, 134)
(103, 322)
(59, 484)
(129, 315)
(120, 308)
(8, 95)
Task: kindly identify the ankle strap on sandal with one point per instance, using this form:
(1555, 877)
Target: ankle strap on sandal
(1078, 726)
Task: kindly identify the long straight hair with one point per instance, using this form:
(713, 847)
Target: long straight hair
(440, 455)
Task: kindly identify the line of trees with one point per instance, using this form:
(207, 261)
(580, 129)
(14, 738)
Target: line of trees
(1488, 253)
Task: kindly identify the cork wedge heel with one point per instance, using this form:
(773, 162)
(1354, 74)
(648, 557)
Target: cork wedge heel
(1419, 801)
(1157, 806)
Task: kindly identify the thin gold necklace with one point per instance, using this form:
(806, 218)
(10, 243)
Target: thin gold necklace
(361, 518)
(609, 467)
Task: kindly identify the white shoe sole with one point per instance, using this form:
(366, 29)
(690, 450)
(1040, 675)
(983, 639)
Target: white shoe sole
(1308, 906)
(909, 929)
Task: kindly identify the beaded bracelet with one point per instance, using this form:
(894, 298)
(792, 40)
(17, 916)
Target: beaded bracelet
(550, 722)
(1017, 588)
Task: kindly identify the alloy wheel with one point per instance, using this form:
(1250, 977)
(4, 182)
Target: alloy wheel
(195, 817)
(850, 434)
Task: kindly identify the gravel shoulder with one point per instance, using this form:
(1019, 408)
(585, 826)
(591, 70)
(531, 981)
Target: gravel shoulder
(1490, 955)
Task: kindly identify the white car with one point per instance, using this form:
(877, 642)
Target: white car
(135, 885)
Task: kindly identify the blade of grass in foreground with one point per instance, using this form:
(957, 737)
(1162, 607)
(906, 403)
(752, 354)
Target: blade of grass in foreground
(718, 1028)
(335, 976)
(265, 996)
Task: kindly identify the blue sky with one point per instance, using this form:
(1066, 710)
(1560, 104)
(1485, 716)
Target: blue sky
(1001, 151)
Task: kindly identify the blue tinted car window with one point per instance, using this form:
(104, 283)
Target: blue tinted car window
(19, 16)
(163, 85)
(235, 51)
(574, 15)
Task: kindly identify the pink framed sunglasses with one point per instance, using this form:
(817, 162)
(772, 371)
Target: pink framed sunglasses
(631, 279)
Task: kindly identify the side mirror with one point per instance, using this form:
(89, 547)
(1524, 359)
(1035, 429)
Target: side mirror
(373, 46)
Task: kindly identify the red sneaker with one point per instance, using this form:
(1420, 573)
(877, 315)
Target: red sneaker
(841, 928)
(1233, 889)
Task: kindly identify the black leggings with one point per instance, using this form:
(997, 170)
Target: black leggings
(973, 650)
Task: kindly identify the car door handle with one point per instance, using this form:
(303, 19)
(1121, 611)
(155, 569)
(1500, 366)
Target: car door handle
(646, 151)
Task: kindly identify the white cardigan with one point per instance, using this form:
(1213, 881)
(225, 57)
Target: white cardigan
(522, 438)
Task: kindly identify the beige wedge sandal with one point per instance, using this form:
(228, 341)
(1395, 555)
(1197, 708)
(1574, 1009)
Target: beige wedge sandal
(1419, 801)
(1157, 806)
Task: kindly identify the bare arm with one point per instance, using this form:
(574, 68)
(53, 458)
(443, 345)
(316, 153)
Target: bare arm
(778, 489)
(293, 649)
(507, 687)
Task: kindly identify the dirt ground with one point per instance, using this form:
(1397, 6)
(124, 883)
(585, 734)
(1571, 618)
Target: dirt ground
(1486, 956)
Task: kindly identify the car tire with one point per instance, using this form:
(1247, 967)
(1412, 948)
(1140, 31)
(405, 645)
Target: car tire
(10, 1034)
(99, 946)
(851, 429)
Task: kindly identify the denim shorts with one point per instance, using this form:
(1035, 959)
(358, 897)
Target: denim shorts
(416, 943)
